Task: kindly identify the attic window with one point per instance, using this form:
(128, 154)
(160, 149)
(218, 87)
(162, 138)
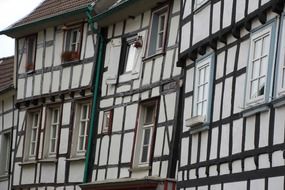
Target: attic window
(72, 44)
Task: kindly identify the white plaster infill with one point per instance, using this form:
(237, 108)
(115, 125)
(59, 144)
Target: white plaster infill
(197, 124)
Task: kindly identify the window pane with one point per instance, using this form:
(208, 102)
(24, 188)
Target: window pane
(199, 109)
(144, 154)
(131, 58)
(149, 114)
(257, 49)
(84, 112)
(263, 67)
(261, 86)
(283, 77)
(255, 69)
(81, 143)
(146, 136)
(162, 22)
(266, 45)
(254, 89)
(82, 128)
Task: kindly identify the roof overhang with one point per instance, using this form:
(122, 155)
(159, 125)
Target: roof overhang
(123, 10)
(40, 24)
(127, 184)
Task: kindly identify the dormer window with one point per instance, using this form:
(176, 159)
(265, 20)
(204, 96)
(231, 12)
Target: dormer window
(72, 44)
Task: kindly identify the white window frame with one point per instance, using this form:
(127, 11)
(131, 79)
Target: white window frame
(77, 136)
(153, 44)
(201, 64)
(140, 133)
(50, 126)
(267, 30)
(280, 78)
(5, 152)
(107, 121)
(32, 127)
(69, 39)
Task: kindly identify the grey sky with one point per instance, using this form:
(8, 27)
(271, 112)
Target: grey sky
(10, 12)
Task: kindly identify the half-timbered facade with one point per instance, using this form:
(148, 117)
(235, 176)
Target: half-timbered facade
(232, 52)
(54, 65)
(136, 144)
(8, 118)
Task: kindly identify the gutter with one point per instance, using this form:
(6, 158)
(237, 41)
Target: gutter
(114, 9)
(89, 161)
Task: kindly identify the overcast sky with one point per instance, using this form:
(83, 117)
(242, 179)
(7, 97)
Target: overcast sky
(10, 12)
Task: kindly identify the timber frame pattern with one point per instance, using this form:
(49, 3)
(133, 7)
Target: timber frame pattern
(176, 106)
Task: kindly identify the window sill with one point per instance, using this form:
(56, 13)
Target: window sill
(128, 76)
(197, 124)
(75, 159)
(139, 168)
(153, 56)
(28, 162)
(255, 109)
(48, 160)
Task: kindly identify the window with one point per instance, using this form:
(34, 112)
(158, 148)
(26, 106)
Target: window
(158, 31)
(80, 133)
(258, 66)
(32, 134)
(203, 87)
(31, 43)
(72, 44)
(145, 130)
(107, 122)
(131, 51)
(5, 153)
(281, 63)
(199, 3)
(52, 131)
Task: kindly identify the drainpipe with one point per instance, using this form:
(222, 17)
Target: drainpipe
(96, 85)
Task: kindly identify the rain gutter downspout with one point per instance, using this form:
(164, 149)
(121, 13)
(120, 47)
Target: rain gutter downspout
(96, 86)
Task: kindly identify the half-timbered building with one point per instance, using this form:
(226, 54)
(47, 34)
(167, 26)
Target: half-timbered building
(232, 52)
(8, 121)
(54, 65)
(136, 145)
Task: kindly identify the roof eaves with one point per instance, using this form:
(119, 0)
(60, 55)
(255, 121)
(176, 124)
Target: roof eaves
(42, 20)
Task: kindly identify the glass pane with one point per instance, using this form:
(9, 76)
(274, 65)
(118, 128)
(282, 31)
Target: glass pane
(261, 86)
(52, 145)
(149, 114)
(255, 69)
(32, 150)
(82, 129)
(162, 22)
(144, 154)
(84, 112)
(201, 76)
(266, 45)
(36, 120)
(257, 49)
(74, 36)
(204, 108)
(263, 67)
(146, 136)
(106, 120)
(55, 116)
(205, 91)
(200, 93)
(254, 89)
(207, 74)
(199, 109)
(131, 58)
(34, 135)
(81, 143)
(160, 40)
(53, 131)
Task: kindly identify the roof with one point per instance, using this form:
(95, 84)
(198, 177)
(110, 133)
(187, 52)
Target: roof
(50, 8)
(6, 73)
(46, 14)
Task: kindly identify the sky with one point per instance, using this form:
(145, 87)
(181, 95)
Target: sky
(10, 12)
